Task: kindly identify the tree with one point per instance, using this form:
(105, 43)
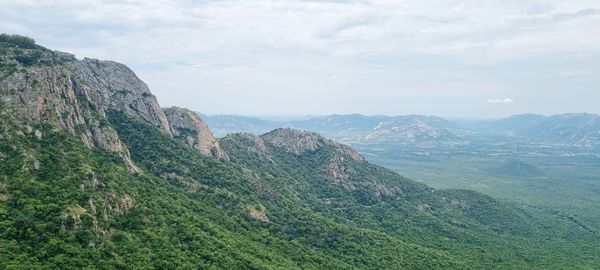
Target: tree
(18, 41)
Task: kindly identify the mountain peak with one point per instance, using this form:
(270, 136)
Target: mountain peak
(117, 87)
(294, 140)
(188, 127)
(298, 142)
(77, 95)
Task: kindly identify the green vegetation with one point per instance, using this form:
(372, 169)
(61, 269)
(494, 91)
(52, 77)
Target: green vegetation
(18, 41)
(476, 228)
(19, 52)
(301, 235)
(66, 206)
(518, 168)
(48, 220)
(557, 184)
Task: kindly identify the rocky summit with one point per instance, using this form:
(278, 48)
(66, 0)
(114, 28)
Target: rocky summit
(298, 142)
(188, 127)
(76, 95)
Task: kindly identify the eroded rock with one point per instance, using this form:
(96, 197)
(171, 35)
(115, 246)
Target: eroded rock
(299, 142)
(259, 213)
(187, 126)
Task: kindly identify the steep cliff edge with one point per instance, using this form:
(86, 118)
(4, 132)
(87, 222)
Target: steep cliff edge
(37, 84)
(115, 86)
(42, 84)
(76, 95)
(187, 127)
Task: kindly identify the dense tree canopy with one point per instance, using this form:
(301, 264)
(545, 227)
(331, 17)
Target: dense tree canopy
(67, 206)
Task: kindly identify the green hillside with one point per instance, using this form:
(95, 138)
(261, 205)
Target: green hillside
(80, 207)
(518, 168)
(90, 177)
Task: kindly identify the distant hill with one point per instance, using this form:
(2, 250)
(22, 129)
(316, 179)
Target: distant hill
(416, 130)
(352, 128)
(576, 129)
(519, 169)
(581, 129)
(222, 125)
(517, 123)
(334, 124)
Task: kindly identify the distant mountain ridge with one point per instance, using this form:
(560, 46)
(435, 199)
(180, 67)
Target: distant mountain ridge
(222, 125)
(408, 129)
(576, 129)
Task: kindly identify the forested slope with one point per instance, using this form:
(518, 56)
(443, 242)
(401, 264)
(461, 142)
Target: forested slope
(93, 174)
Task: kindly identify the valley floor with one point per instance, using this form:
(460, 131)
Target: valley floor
(569, 184)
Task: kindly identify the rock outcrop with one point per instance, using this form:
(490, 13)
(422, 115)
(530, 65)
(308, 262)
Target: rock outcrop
(75, 90)
(339, 167)
(299, 142)
(76, 95)
(259, 213)
(251, 144)
(55, 96)
(57, 89)
(114, 86)
(187, 126)
(294, 141)
(338, 171)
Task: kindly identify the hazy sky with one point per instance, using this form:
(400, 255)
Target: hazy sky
(447, 58)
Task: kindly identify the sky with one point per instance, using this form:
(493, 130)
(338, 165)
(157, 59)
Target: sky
(452, 58)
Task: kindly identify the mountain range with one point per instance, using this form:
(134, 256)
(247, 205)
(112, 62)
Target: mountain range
(95, 174)
(574, 129)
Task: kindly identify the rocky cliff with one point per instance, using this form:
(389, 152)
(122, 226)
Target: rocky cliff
(45, 89)
(76, 95)
(251, 144)
(115, 86)
(299, 142)
(337, 163)
(187, 127)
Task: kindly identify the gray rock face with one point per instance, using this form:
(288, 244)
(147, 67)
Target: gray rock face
(294, 141)
(337, 170)
(249, 143)
(79, 93)
(117, 87)
(75, 96)
(53, 93)
(299, 142)
(188, 127)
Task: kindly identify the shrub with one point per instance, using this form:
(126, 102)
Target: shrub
(18, 41)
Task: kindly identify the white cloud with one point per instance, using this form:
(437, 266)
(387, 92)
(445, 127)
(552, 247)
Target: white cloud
(492, 29)
(500, 101)
(367, 50)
